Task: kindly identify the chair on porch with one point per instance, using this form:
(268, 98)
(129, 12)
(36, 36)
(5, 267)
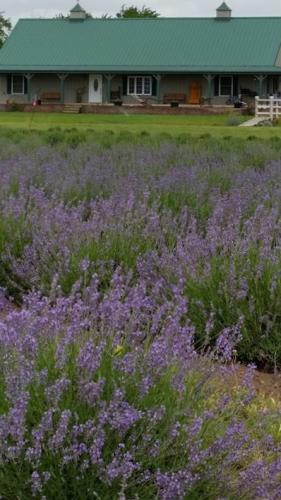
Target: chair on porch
(115, 95)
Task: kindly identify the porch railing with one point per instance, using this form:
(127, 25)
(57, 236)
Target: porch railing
(267, 108)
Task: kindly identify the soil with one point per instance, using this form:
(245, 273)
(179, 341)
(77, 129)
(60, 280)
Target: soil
(6, 306)
(266, 384)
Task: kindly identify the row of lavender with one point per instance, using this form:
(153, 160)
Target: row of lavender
(208, 218)
(147, 265)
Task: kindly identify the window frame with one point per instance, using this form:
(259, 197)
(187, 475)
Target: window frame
(12, 85)
(232, 85)
(135, 78)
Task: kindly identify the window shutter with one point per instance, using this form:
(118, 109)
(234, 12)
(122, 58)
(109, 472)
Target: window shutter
(216, 86)
(124, 85)
(235, 86)
(9, 84)
(154, 86)
(25, 85)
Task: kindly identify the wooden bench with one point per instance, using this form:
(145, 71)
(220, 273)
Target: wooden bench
(176, 97)
(50, 96)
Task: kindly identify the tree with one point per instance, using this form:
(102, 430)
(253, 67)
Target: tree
(5, 27)
(133, 11)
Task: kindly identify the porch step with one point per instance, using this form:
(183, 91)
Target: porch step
(72, 108)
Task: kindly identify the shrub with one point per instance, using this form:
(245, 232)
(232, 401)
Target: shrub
(182, 138)
(14, 106)
(150, 269)
(206, 212)
(249, 110)
(54, 137)
(233, 121)
(97, 404)
(74, 139)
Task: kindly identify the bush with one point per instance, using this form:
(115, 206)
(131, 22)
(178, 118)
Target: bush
(14, 106)
(233, 121)
(206, 212)
(249, 110)
(74, 139)
(54, 137)
(96, 405)
(150, 268)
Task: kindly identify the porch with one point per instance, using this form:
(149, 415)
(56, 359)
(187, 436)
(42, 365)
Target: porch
(135, 90)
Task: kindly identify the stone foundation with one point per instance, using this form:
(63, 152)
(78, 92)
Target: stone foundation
(123, 110)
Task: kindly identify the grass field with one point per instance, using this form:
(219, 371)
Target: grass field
(215, 125)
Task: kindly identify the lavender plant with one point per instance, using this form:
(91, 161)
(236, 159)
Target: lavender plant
(140, 271)
(104, 396)
(209, 216)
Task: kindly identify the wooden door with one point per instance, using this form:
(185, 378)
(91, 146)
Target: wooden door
(195, 93)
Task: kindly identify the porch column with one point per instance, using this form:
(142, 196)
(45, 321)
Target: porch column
(28, 77)
(158, 79)
(209, 79)
(62, 77)
(260, 79)
(270, 85)
(108, 89)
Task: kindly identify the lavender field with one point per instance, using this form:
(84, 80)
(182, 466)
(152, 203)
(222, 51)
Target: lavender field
(135, 275)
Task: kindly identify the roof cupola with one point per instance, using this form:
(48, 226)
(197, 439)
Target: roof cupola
(223, 11)
(77, 13)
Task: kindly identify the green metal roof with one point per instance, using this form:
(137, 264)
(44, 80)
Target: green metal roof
(162, 45)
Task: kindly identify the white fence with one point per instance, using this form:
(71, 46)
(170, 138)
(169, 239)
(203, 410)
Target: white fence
(268, 108)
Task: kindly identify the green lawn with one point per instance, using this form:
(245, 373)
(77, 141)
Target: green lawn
(216, 125)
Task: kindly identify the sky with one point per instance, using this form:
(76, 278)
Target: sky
(15, 9)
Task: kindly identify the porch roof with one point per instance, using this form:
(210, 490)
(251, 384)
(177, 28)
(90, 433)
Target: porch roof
(164, 45)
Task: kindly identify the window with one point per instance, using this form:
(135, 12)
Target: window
(226, 86)
(139, 85)
(17, 84)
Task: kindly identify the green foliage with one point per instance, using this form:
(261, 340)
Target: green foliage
(259, 306)
(14, 107)
(115, 249)
(54, 136)
(73, 140)
(5, 27)
(14, 235)
(233, 121)
(200, 395)
(133, 11)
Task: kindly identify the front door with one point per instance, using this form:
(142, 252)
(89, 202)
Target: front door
(95, 88)
(195, 92)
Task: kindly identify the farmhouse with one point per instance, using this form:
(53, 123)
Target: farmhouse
(192, 61)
